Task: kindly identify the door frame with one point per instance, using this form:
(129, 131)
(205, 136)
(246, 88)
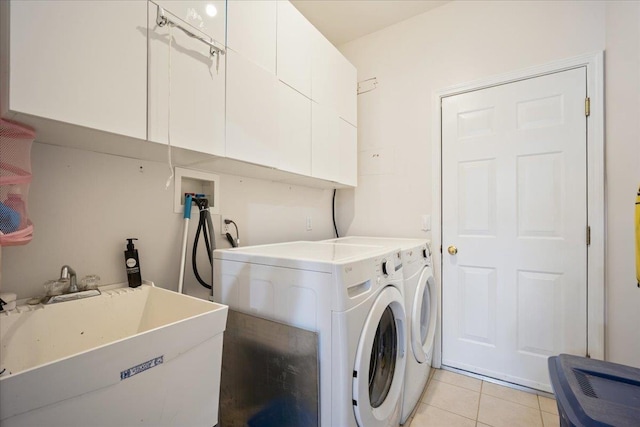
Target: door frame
(594, 63)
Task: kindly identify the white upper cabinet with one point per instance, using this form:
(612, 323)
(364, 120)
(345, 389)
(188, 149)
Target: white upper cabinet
(333, 78)
(80, 62)
(334, 147)
(186, 81)
(106, 75)
(325, 153)
(206, 16)
(251, 30)
(324, 64)
(324, 163)
(294, 48)
(347, 85)
(252, 112)
(294, 131)
(348, 140)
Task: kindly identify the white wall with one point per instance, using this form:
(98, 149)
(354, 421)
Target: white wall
(622, 86)
(464, 41)
(83, 206)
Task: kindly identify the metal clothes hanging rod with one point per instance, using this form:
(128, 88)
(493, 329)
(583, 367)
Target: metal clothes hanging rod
(162, 20)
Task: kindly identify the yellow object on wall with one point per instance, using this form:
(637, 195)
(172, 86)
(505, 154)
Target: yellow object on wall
(638, 238)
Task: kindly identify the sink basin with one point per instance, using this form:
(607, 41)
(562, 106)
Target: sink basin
(143, 356)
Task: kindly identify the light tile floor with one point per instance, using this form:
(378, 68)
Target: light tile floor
(454, 400)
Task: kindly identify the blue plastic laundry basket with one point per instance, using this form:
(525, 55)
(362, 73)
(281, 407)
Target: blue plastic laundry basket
(595, 393)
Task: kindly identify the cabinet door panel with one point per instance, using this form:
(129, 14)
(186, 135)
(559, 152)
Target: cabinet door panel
(333, 79)
(294, 131)
(81, 62)
(251, 31)
(252, 111)
(324, 62)
(325, 161)
(294, 48)
(208, 17)
(334, 147)
(186, 92)
(348, 140)
(347, 86)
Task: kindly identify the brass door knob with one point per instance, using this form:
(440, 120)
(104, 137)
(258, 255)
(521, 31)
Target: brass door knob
(452, 250)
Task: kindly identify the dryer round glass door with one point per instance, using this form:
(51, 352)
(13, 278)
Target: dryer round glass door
(383, 359)
(423, 316)
(380, 362)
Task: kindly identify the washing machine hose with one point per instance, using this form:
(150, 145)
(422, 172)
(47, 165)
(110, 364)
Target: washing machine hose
(205, 226)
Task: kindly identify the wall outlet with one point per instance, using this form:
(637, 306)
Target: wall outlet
(309, 224)
(224, 228)
(426, 222)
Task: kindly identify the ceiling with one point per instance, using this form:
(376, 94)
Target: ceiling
(342, 21)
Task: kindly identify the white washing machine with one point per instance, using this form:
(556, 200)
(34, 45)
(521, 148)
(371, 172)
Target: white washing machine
(421, 305)
(352, 295)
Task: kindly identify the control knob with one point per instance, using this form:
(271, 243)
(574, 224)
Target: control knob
(388, 267)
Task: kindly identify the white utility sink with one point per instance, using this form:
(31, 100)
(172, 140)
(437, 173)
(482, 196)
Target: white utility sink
(145, 356)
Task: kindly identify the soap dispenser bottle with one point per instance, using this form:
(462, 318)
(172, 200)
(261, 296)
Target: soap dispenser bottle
(132, 264)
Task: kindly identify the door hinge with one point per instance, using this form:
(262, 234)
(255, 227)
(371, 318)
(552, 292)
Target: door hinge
(588, 235)
(587, 107)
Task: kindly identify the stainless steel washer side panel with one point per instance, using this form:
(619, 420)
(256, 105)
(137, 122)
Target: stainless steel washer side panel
(270, 374)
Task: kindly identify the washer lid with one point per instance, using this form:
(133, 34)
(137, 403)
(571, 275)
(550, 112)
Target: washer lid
(390, 242)
(415, 252)
(317, 256)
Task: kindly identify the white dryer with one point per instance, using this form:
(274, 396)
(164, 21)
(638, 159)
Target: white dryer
(421, 304)
(352, 296)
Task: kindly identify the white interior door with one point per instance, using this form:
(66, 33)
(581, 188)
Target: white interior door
(514, 206)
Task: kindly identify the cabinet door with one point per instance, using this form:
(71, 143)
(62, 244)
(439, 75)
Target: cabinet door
(294, 131)
(325, 154)
(186, 88)
(252, 111)
(251, 31)
(348, 140)
(347, 86)
(294, 48)
(80, 62)
(333, 78)
(334, 147)
(324, 63)
(207, 17)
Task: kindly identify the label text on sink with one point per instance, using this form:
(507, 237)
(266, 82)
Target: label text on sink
(128, 373)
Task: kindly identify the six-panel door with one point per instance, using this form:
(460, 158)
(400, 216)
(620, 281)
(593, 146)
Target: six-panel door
(514, 218)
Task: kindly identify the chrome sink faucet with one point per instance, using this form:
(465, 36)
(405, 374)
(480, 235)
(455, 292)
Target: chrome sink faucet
(68, 273)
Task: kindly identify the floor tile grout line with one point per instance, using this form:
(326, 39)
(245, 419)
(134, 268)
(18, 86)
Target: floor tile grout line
(511, 401)
(459, 386)
(479, 400)
(516, 403)
(422, 395)
(538, 400)
(451, 412)
(464, 376)
(541, 418)
(426, 391)
(515, 390)
(481, 392)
